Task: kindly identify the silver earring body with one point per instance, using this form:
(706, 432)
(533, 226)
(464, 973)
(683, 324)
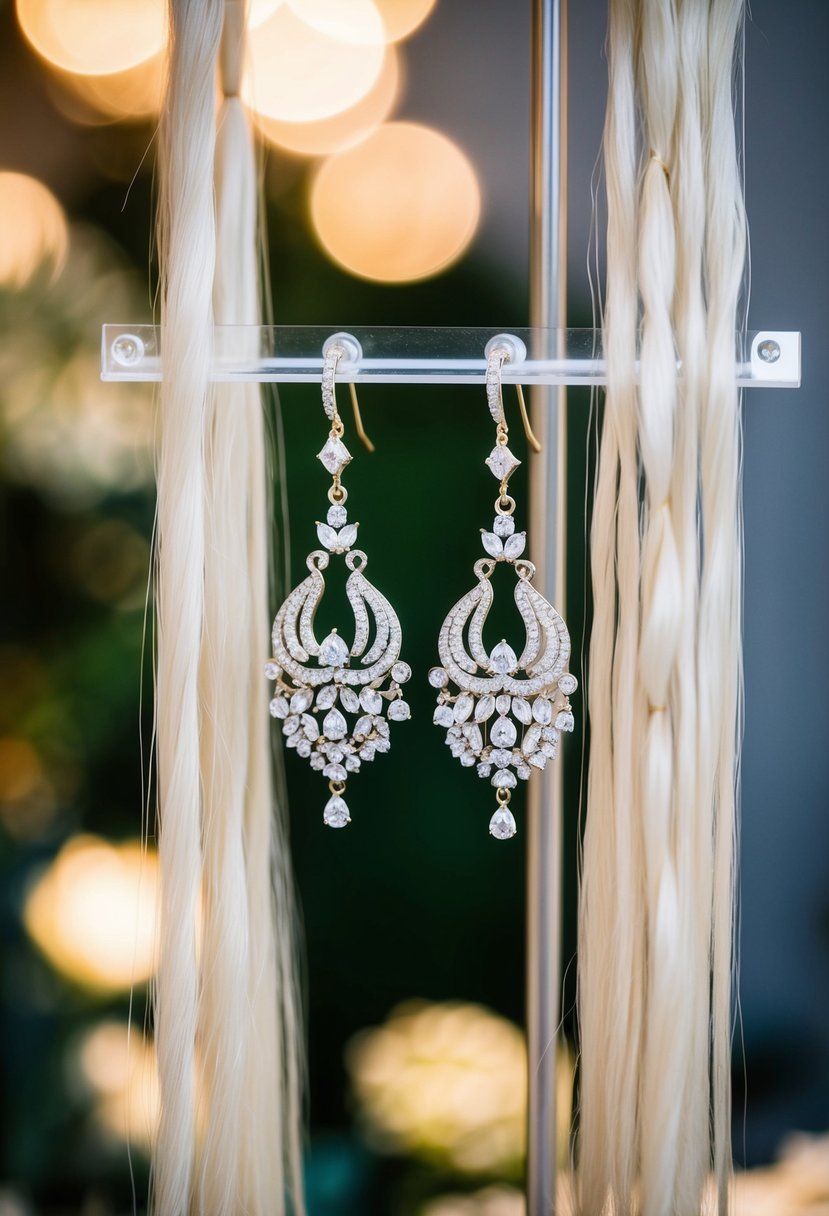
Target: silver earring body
(335, 700)
(503, 712)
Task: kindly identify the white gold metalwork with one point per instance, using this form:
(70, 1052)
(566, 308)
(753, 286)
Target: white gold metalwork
(509, 709)
(317, 690)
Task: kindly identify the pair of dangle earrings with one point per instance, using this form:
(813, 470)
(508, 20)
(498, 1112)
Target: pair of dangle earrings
(503, 713)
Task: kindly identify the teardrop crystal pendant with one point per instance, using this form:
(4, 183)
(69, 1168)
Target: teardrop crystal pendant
(332, 712)
(503, 711)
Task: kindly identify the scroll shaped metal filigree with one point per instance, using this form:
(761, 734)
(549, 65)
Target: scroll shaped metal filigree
(509, 709)
(332, 713)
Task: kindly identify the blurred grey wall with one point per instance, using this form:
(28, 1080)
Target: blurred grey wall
(469, 75)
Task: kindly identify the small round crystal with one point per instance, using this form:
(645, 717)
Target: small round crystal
(401, 672)
(438, 677)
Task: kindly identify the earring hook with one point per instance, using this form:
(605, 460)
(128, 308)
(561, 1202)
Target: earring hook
(496, 359)
(334, 352)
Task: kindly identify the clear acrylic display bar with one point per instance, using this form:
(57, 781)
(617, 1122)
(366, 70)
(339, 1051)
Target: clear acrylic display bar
(388, 355)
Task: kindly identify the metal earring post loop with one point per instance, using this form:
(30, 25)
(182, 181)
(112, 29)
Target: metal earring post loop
(333, 354)
(495, 396)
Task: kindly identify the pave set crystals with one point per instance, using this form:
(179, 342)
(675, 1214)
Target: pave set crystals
(316, 703)
(509, 710)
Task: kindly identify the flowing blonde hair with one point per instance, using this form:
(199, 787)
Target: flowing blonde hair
(227, 1024)
(657, 892)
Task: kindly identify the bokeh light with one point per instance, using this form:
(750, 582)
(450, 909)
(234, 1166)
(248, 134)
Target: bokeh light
(491, 1201)
(94, 37)
(117, 1067)
(403, 204)
(134, 94)
(33, 231)
(402, 17)
(92, 913)
(342, 130)
(356, 21)
(446, 1082)
(297, 73)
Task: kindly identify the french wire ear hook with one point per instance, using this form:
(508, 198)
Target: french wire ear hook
(342, 350)
(505, 348)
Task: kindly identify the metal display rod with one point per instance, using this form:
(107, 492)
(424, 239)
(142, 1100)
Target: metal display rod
(548, 528)
(386, 355)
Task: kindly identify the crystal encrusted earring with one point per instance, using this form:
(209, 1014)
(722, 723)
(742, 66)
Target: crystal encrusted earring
(509, 710)
(317, 688)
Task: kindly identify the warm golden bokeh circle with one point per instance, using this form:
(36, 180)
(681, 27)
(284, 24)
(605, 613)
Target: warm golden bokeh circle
(402, 17)
(297, 73)
(94, 37)
(92, 913)
(342, 130)
(33, 231)
(401, 205)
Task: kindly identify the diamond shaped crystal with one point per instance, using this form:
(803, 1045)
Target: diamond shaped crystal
(336, 812)
(279, 707)
(502, 824)
(363, 727)
(521, 709)
(335, 456)
(543, 711)
(350, 700)
(333, 650)
(485, 708)
(502, 703)
(463, 707)
(500, 460)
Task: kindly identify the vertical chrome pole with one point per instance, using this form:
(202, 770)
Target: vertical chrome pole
(548, 290)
